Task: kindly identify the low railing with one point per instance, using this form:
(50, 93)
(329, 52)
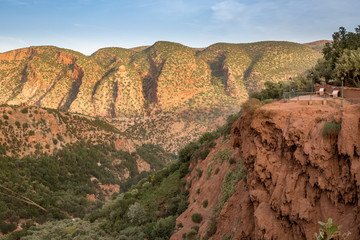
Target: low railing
(298, 95)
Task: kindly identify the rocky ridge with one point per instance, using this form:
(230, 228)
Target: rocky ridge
(197, 87)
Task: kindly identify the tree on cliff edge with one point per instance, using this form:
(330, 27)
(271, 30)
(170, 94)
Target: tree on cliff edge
(341, 57)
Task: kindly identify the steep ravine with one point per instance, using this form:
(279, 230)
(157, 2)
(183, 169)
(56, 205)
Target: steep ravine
(296, 176)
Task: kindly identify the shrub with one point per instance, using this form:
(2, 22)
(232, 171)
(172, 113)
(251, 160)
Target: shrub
(205, 203)
(17, 123)
(217, 171)
(196, 228)
(230, 181)
(267, 101)
(232, 160)
(226, 128)
(208, 137)
(184, 169)
(5, 227)
(204, 154)
(136, 214)
(199, 171)
(24, 110)
(211, 230)
(59, 137)
(331, 129)
(328, 231)
(209, 170)
(5, 116)
(196, 218)
(251, 105)
(191, 234)
(55, 141)
(223, 155)
(186, 152)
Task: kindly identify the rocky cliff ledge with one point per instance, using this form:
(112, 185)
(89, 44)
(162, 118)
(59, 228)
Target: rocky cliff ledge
(296, 176)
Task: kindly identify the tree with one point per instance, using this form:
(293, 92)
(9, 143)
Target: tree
(348, 66)
(342, 40)
(137, 214)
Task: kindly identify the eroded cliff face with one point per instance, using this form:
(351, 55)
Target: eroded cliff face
(296, 177)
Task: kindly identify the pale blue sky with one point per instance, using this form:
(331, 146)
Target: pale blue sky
(87, 25)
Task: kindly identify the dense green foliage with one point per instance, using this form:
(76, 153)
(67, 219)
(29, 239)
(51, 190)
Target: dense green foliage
(54, 182)
(341, 59)
(196, 218)
(60, 183)
(154, 155)
(148, 210)
(272, 90)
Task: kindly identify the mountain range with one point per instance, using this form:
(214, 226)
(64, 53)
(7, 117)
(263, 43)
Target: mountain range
(134, 88)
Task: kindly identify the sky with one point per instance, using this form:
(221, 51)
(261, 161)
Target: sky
(88, 25)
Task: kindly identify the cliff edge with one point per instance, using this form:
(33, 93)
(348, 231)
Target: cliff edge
(299, 171)
(296, 175)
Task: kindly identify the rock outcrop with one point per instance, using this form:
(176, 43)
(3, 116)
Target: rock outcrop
(296, 176)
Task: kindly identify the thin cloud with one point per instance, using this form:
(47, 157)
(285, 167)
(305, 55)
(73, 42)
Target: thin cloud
(228, 11)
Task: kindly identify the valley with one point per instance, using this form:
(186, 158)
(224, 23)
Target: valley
(87, 144)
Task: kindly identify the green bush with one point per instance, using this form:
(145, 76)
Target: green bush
(222, 155)
(205, 203)
(59, 137)
(211, 230)
(5, 227)
(6, 117)
(204, 154)
(199, 171)
(251, 105)
(230, 181)
(232, 160)
(186, 152)
(328, 231)
(271, 91)
(196, 228)
(191, 234)
(208, 137)
(225, 130)
(196, 218)
(24, 110)
(331, 129)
